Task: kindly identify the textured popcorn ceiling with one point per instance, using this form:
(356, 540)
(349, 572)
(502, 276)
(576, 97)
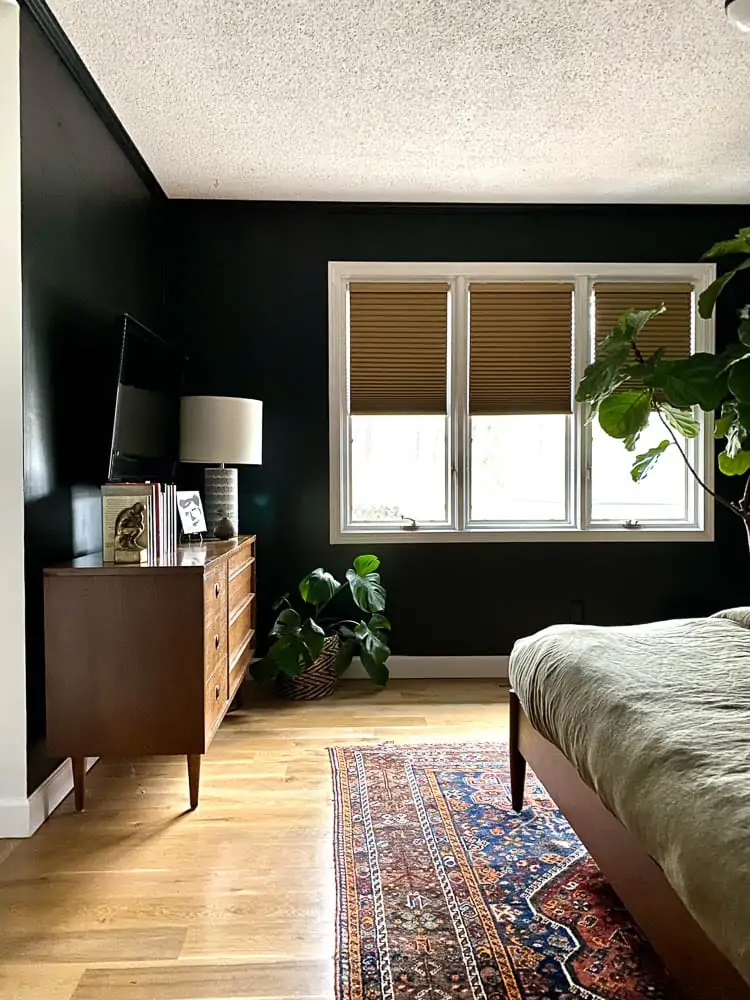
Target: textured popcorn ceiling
(427, 100)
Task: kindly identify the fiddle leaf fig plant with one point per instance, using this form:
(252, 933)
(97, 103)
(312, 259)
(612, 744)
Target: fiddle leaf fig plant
(623, 387)
(299, 635)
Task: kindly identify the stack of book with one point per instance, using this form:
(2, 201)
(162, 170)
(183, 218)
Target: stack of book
(161, 521)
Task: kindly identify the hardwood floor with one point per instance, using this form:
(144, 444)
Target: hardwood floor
(140, 899)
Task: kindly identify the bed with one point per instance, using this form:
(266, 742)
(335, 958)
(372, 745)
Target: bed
(641, 735)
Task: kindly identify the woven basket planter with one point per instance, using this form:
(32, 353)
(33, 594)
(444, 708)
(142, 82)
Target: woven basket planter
(317, 681)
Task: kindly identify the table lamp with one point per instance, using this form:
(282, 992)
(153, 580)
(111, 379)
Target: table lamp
(216, 431)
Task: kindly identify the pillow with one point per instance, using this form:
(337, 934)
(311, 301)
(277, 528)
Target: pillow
(739, 615)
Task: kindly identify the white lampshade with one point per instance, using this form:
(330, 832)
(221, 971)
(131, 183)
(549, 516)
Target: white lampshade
(738, 12)
(221, 429)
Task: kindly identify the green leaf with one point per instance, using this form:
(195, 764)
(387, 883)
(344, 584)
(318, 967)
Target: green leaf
(345, 655)
(736, 466)
(367, 590)
(724, 248)
(290, 654)
(288, 623)
(373, 652)
(732, 355)
(318, 587)
(647, 368)
(297, 644)
(721, 427)
(736, 436)
(697, 380)
(631, 441)
(606, 372)
(601, 378)
(372, 642)
(743, 331)
(313, 637)
(380, 622)
(707, 299)
(645, 463)
(625, 414)
(739, 381)
(681, 421)
(378, 672)
(743, 415)
(633, 321)
(366, 564)
(609, 371)
(264, 670)
(282, 602)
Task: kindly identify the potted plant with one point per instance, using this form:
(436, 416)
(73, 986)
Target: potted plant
(673, 388)
(311, 651)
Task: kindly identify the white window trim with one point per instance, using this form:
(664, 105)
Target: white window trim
(340, 273)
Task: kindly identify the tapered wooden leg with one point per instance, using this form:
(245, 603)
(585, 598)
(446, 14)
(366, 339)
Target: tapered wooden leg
(79, 782)
(194, 777)
(517, 760)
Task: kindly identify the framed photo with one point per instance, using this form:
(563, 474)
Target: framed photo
(192, 518)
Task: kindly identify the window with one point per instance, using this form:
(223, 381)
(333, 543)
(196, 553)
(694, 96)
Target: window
(452, 413)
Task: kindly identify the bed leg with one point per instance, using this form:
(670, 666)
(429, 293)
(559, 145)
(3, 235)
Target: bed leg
(517, 760)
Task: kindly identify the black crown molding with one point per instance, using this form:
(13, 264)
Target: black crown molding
(75, 66)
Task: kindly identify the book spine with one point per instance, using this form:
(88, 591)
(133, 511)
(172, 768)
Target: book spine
(108, 535)
(173, 518)
(151, 529)
(160, 519)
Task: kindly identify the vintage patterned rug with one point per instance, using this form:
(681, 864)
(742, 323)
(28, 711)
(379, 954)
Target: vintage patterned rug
(445, 893)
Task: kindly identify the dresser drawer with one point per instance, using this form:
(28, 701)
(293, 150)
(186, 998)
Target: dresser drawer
(241, 660)
(241, 626)
(240, 556)
(215, 651)
(215, 592)
(241, 583)
(215, 699)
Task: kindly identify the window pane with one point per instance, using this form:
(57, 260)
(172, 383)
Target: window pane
(518, 467)
(661, 496)
(399, 467)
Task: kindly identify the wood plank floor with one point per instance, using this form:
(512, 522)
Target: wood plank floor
(136, 899)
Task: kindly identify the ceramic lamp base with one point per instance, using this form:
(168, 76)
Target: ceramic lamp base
(221, 498)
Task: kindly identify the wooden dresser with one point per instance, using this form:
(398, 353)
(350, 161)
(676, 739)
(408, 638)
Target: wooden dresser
(146, 659)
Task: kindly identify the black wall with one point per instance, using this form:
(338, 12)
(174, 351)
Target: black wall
(90, 252)
(247, 292)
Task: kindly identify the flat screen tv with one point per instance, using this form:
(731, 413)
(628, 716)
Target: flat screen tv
(146, 432)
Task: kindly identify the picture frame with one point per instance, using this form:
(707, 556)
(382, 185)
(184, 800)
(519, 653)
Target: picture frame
(190, 508)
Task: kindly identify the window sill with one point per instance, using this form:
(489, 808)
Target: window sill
(357, 536)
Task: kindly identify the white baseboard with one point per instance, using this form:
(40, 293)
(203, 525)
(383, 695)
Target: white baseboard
(23, 817)
(428, 667)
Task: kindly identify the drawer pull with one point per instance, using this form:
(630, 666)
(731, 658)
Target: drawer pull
(216, 641)
(217, 691)
(217, 589)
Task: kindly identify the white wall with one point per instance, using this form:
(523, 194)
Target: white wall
(14, 807)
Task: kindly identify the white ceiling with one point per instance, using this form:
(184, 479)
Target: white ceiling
(427, 100)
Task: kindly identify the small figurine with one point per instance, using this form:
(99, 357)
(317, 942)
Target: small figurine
(130, 525)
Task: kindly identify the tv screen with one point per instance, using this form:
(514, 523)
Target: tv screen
(146, 436)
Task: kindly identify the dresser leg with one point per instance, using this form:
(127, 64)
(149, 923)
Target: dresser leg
(194, 777)
(79, 781)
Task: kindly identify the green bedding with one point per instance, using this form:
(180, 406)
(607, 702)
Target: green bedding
(656, 719)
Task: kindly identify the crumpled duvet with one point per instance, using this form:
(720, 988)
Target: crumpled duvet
(656, 719)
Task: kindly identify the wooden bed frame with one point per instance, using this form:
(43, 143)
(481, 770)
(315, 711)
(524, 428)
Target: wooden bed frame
(699, 968)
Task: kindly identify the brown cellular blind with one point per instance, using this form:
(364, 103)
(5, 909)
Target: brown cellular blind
(521, 347)
(672, 331)
(398, 347)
